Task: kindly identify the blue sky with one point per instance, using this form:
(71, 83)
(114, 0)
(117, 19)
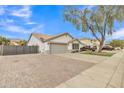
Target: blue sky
(21, 21)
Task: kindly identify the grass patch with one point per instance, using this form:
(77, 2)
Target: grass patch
(99, 54)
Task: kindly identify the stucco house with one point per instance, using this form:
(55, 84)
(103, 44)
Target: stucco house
(15, 42)
(61, 43)
(89, 42)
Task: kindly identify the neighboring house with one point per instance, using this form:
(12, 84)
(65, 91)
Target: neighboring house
(89, 42)
(62, 43)
(15, 42)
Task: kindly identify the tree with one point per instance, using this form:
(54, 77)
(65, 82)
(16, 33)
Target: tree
(117, 43)
(4, 41)
(23, 42)
(99, 21)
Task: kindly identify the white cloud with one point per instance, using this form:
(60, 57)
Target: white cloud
(19, 29)
(8, 36)
(14, 28)
(91, 6)
(30, 23)
(37, 28)
(11, 25)
(24, 12)
(118, 34)
(2, 11)
(9, 20)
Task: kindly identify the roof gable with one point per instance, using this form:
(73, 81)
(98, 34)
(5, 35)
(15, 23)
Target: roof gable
(41, 36)
(57, 36)
(75, 40)
(46, 38)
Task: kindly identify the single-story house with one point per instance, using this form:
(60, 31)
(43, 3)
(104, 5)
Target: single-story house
(89, 42)
(62, 43)
(15, 42)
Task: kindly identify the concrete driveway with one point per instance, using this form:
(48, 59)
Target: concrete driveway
(84, 57)
(107, 74)
(37, 70)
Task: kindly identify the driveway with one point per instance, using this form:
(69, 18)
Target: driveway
(84, 57)
(35, 70)
(107, 74)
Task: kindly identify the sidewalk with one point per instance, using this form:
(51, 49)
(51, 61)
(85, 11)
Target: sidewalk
(109, 73)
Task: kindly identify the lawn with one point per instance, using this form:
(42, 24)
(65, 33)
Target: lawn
(109, 54)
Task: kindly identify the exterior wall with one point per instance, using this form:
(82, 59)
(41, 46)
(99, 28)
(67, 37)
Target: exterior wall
(81, 45)
(36, 42)
(46, 48)
(87, 42)
(70, 45)
(62, 39)
(90, 42)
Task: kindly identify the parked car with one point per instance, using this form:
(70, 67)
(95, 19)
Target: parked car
(93, 48)
(85, 48)
(117, 48)
(74, 51)
(108, 47)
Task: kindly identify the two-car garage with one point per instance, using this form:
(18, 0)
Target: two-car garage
(56, 48)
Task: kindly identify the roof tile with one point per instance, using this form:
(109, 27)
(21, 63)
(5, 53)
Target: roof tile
(41, 36)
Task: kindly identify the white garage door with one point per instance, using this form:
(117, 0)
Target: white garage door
(58, 48)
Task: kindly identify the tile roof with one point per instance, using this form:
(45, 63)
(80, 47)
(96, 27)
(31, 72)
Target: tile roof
(15, 41)
(47, 37)
(87, 39)
(72, 40)
(42, 36)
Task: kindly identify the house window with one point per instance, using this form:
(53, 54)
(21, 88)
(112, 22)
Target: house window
(75, 46)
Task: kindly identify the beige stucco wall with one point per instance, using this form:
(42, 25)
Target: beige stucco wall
(62, 39)
(70, 45)
(90, 43)
(36, 42)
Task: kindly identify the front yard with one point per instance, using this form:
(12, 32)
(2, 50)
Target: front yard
(109, 54)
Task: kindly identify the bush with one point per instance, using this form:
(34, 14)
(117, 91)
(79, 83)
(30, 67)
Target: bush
(4, 41)
(117, 43)
(108, 54)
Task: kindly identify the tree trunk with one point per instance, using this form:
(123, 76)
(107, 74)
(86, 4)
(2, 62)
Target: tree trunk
(101, 46)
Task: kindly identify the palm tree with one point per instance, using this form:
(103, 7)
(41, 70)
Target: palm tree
(98, 21)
